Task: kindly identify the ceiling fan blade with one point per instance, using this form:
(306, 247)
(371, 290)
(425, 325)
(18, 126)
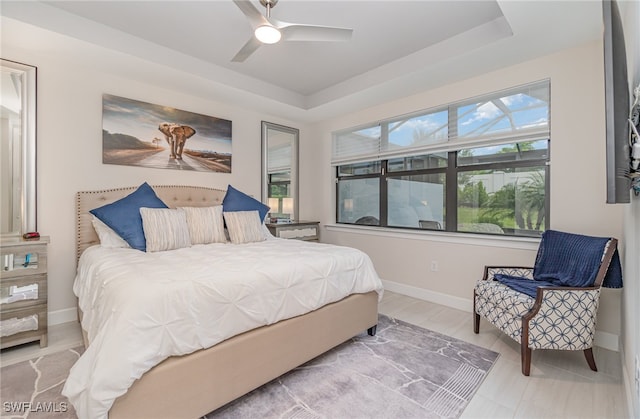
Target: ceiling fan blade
(252, 13)
(300, 32)
(249, 48)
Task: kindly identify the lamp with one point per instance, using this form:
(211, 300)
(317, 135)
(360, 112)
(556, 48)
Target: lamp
(348, 205)
(287, 206)
(274, 205)
(348, 210)
(267, 34)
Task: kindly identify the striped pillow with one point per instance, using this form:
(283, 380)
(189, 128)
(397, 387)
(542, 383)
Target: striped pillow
(205, 224)
(165, 229)
(244, 226)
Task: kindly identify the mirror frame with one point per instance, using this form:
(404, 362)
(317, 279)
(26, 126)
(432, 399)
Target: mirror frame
(266, 127)
(27, 197)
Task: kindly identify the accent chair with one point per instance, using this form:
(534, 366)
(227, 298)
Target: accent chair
(552, 305)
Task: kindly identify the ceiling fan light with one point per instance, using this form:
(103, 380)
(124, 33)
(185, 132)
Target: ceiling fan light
(268, 34)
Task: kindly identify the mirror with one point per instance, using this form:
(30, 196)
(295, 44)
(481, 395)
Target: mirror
(17, 148)
(280, 171)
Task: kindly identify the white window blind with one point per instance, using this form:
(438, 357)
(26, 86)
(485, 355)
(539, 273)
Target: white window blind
(512, 115)
(362, 144)
(279, 158)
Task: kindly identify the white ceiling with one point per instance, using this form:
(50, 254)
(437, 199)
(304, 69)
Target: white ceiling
(394, 42)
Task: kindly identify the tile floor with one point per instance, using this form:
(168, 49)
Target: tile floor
(61, 336)
(561, 384)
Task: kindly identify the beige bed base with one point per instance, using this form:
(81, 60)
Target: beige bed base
(193, 385)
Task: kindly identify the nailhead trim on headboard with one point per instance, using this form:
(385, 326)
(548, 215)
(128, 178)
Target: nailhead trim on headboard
(172, 195)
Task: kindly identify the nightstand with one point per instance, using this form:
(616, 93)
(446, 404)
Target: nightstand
(299, 230)
(23, 291)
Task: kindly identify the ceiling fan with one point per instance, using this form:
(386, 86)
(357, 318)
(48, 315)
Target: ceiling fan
(269, 31)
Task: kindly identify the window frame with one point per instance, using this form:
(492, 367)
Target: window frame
(452, 146)
(451, 172)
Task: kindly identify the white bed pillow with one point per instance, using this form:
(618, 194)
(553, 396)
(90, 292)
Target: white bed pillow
(206, 224)
(165, 229)
(108, 237)
(244, 226)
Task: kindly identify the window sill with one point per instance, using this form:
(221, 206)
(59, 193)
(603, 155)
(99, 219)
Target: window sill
(522, 243)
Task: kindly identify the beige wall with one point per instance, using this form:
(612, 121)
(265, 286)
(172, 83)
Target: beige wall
(577, 184)
(69, 155)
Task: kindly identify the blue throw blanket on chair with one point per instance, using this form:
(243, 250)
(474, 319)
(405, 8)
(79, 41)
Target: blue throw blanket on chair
(568, 260)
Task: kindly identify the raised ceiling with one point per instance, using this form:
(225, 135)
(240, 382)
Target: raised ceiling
(393, 42)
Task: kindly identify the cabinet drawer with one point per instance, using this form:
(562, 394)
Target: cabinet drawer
(22, 260)
(23, 292)
(22, 326)
(303, 230)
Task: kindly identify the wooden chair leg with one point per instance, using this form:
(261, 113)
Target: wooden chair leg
(525, 354)
(476, 316)
(588, 353)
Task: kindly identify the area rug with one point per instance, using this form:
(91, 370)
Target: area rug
(31, 389)
(404, 371)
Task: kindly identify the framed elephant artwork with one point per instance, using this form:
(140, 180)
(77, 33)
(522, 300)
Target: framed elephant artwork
(137, 133)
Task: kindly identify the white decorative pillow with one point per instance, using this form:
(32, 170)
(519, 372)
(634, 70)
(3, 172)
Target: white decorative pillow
(165, 229)
(267, 233)
(206, 224)
(244, 226)
(108, 237)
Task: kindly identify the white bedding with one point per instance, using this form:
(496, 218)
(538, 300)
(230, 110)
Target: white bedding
(140, 308)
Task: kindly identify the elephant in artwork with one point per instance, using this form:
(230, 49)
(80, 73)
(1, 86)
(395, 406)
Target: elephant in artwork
(176, 135)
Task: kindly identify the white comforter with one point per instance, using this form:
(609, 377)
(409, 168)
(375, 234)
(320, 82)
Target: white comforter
(140, 308)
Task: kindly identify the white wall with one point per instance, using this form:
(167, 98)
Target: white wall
(71, 82)
(578, 184)
(631, 297)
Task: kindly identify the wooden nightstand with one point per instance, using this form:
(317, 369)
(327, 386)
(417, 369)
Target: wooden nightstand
(299, 230)
(23, 291)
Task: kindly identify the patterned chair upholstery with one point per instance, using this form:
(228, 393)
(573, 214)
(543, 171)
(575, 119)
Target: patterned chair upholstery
(558, 317)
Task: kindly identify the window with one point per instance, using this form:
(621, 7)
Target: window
(477, 166)
(279, 190)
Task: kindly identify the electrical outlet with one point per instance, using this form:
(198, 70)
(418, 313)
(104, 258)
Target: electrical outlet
(434, 266)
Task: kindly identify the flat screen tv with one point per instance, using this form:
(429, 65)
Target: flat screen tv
(616, 88)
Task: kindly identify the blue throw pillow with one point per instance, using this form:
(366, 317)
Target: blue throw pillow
(235, 200)
(123, 216)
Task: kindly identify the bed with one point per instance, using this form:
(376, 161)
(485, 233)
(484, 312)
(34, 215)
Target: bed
(203, 379)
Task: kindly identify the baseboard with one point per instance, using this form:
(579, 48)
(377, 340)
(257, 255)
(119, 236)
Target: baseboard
(629, 386)
(62, 316)
(431, 296)
(607, 340)
(604, 340)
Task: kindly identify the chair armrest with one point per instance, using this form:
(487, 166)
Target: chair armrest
(542, 301)
(522, 271)
(548, 323)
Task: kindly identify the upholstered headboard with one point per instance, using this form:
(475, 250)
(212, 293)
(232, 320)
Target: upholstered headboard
(172, 195)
